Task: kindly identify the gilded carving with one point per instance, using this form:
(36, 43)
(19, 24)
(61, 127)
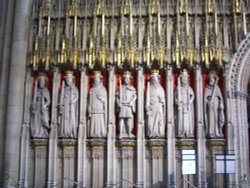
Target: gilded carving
(125, 143)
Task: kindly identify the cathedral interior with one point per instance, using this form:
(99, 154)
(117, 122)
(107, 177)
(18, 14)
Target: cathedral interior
(125, 93)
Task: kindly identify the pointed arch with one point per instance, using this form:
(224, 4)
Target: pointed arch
(237, 127)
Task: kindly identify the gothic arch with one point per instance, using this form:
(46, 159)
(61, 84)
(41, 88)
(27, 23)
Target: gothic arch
(239, 69)
(237, 94)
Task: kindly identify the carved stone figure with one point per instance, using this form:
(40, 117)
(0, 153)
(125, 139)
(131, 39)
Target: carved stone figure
(184, 97)
(126, 98)
(40, 109)
(155, 107)
(213, 108)
(68, 108)
(97, 108)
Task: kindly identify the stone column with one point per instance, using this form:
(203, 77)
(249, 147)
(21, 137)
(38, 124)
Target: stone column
(231, 128)
(200, 134)
(25, 134)
(111, 175)
(157, 150)
(40, 162)
(171, 156)
(98, 163)
(242, 124)
(141, 170)
(215, 147)
(53, 150)
(244, 176)
(82, 132)
(17, 66)
(6, 26)
(68, 147)
(127, 172)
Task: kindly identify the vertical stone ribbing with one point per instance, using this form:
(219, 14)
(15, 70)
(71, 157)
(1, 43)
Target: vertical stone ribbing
(17, 66)
(231, 129)
(141, 170)
(171, 158)
(53, 146)
(6, 26)
(201, 144)
(111, 177)
(25, 135)
(82, 132)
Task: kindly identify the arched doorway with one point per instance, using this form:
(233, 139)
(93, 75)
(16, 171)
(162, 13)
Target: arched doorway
(237, 76)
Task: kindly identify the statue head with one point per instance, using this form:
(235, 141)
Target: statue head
(42, 79)
(184, 77)
(97, 78)
(154, 77)
(126, 77)
(212, 79)
(69, 77)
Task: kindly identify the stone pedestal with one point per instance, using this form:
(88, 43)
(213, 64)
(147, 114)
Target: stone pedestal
(184, 144)
(68, 147)
(215, 147)
(40, 147)
(156, 161)
(126, 162)
(97, 164)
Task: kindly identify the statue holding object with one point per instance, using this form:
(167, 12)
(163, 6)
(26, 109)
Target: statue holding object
(184, 98)
(125, 99)
(155, 107)
(40, 108)
(68, 107)
(97, 108)
(213, 107)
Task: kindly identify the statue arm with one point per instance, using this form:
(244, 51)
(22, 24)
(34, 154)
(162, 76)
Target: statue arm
(117, 97)
(205, 101)
(191, 95)
(33, 104)
(47, 99)
(133, 99)
(102, 95)
(162, 97)
(221, 111)
(76, 95)
(105, 105)
(132, 103)
(90, 103)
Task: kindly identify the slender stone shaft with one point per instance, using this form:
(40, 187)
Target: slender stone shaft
(6, 26)
(16, 87)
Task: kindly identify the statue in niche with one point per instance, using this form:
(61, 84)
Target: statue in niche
(184, 98)
(155, 107)
(213, 107)
(125, 99)
(97, 107)
(68, 107)
(40, 108)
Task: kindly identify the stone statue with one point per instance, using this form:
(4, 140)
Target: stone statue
(155, 107)
(40, 109)
(184, 98)
(68, 107)
(97, 108)
(125, 99)
(213, 108)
